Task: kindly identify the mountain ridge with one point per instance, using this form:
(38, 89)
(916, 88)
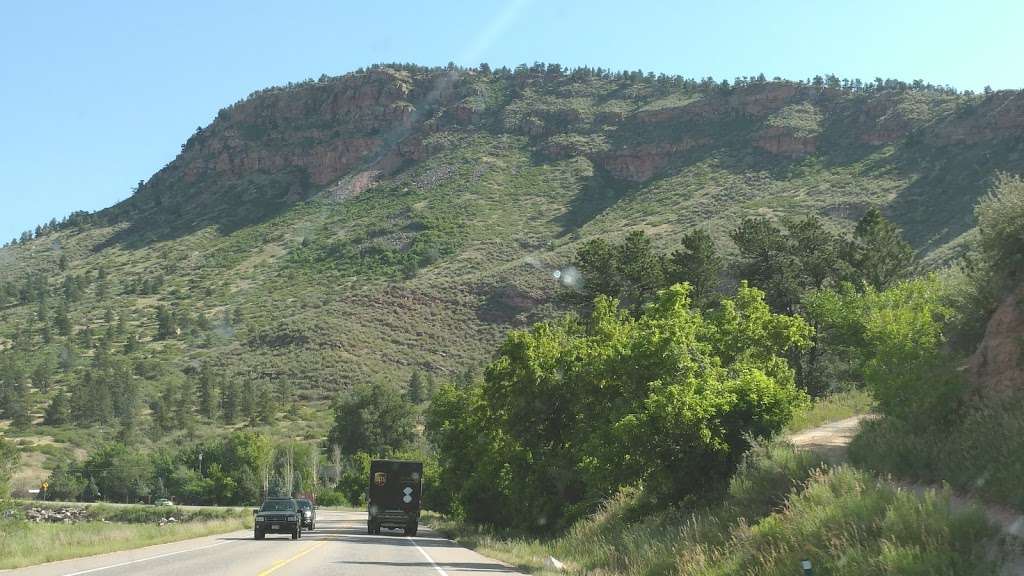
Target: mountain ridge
(400, 217)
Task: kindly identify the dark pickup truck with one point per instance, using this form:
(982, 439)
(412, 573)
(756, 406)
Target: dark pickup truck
(278, 516)
(395, 488)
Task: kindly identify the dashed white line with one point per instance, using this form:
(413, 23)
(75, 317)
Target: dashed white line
(427, 556)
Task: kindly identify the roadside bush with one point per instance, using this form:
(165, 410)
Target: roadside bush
(326, 497)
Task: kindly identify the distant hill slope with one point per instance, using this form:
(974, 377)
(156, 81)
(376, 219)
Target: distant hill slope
(363, 226)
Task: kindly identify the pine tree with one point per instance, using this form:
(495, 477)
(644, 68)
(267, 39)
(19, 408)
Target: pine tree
(91, 401)
(43, 311)
(229, 401)
(126, 405)
(68, 356)
(42, 375)
(414, 391)
(131, 344)
(19, 406)
(85, 337)
(72, 289)
(59, 411)
(247, 402)
(61, 320)
(430, 385)
(91, 492)
(101, 284)
(698, 263)
(167, 326)
(640, 268)
(878, 254)
(207, 392)
(185, 407)
(163, 408)
(129, 428)
(265, 409)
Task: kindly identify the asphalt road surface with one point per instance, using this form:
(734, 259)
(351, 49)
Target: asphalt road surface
(340, 545)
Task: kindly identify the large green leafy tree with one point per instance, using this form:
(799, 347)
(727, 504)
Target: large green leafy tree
(122, 473)
(373, 418)
(572, 410)
(248, 459)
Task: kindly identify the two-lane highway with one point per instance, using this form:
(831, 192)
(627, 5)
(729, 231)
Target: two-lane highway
(340, 545)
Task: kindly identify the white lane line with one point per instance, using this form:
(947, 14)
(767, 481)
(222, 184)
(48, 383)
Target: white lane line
(146, 559)
(427, 556)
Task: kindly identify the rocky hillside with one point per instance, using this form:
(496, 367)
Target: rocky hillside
(360, 227)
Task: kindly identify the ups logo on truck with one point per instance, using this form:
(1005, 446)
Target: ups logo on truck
(380, 478)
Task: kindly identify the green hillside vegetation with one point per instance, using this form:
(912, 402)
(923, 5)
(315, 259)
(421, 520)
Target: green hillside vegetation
(578, 282)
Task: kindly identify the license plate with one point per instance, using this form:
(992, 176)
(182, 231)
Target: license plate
(275, 526)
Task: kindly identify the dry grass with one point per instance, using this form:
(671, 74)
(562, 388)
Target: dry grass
(26, 543)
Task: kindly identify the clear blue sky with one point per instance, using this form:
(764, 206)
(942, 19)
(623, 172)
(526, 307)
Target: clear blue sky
(97, 95)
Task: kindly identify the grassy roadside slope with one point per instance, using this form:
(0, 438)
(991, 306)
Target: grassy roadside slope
(24, 543)
(783, 506)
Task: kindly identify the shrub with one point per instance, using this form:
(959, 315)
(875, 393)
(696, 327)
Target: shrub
(327, 497)
(769, 473)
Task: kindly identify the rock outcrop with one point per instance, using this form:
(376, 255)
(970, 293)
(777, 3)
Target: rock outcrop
(785, 142)
(346, 133)
(997, 368)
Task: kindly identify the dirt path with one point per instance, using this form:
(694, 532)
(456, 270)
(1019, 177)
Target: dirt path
(830, 440)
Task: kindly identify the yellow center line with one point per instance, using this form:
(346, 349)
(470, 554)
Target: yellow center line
(278, 565)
